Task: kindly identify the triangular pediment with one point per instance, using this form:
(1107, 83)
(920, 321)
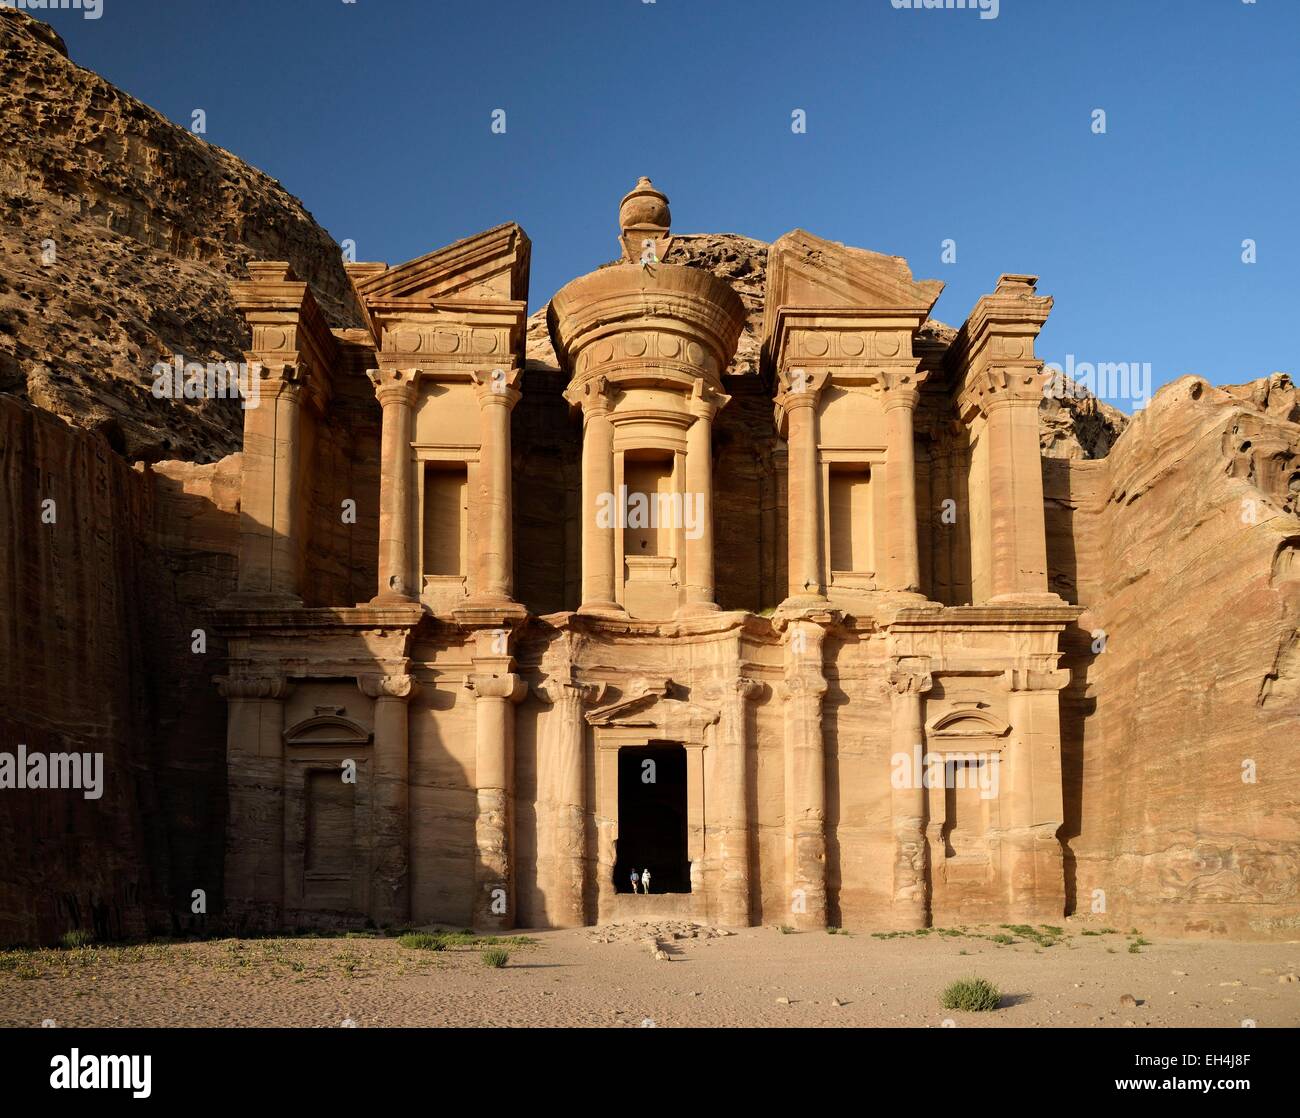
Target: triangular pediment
(804, 271)
(488, 267)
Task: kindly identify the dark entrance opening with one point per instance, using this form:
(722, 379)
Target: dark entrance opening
(652, 818)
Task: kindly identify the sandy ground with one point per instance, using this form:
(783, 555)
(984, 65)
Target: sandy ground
(611, 977)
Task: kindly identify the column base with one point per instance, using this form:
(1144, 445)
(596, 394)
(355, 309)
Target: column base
(602, 609)
(797, 603)
(393, 598)
(500, 602)
(1046, 598)
(697, 609)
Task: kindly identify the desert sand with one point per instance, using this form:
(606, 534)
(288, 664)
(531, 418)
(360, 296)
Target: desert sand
(603, 977)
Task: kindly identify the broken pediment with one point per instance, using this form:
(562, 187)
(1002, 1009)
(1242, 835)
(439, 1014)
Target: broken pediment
(647, 703)
(489, 267)
(805, 272)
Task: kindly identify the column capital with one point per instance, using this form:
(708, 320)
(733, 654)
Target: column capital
(507, 686)
(498, 386)
(1035, 678)
(1003, 386)
(706, 401)
(740, 687)
(269, 686)
(394, 386)
(384, 686)
(275, 379)
(910, 677)
(901, 385)
(556, 689)
(801, 387)
(595, 395)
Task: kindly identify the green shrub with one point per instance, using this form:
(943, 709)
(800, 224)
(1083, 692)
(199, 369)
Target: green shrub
(786, 930)
(495, 957)
(973, 995)
(76, 938)
(423, 941)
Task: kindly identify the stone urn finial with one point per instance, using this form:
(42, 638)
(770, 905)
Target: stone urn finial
(644, 220)
(644, 207)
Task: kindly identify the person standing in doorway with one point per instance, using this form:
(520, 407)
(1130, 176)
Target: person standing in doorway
(635, 881)
(645, 879)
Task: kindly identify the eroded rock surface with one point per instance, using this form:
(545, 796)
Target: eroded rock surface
(119, 234)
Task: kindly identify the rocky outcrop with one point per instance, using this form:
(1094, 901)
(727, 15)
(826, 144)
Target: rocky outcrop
(1187, 664)
(1077, 424)
(119, 234)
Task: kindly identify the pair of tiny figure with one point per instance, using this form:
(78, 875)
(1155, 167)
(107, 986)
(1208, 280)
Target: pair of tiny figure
(643, 879)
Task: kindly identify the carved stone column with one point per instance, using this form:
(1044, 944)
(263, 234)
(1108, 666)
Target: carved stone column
(497, 394)
(909, 680)
(271, 547)
(254, 880)
(390, 859)
(1016, 522)
(904, 568)
(704, 405)
(291, 359)
(566, 780)
(494, 732)
(1002, 384)
(398, 581)
(1033, 802)
(806, 567)
(805, 770)
(598, 507)
(731, 781)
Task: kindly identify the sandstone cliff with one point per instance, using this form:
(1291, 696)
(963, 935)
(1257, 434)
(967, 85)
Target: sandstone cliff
(1181, 782)
(119, 233)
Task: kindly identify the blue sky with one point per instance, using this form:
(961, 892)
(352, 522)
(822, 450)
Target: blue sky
(921, 126)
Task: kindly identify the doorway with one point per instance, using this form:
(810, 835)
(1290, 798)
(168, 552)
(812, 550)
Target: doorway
(652, 818)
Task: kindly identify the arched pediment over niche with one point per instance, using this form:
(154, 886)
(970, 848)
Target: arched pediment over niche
(967, 723)
(327, 729)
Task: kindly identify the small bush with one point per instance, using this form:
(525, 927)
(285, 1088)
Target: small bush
(973, 995)
(831, 930)
(76, 938)
(786, 930)
(1001, 937)
(495, 957)
(423, 941)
